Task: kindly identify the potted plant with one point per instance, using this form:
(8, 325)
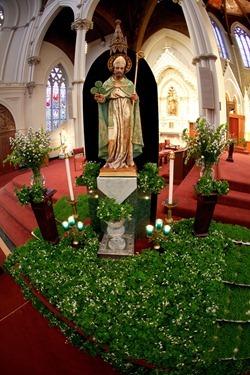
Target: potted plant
(208, 191)
(109, 210)
(28, 194)
(206, 145)
(207, 186)
(31, 151)
(149, 184)
(114, 214)
(89, 175)
(88, 178)
(149, 180)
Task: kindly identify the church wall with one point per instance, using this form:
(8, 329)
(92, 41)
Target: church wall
(95, 49)
(169, 54)
(50, 56)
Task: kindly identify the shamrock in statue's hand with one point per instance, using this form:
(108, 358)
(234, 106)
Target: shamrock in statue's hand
(97, 89)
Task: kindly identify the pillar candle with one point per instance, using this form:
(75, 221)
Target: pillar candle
(166, 229)
(158, 223)
(71, 220)
(80, 225)
(171, 177)
(71, 193)
(149, 229)
(65, 225)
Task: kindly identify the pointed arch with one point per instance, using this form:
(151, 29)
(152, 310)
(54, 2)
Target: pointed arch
(243, 42)
(56, 98)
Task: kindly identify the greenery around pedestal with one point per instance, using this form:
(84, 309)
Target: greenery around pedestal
(185, 309)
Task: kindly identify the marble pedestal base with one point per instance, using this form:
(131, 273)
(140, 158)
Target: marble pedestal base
(105, 252)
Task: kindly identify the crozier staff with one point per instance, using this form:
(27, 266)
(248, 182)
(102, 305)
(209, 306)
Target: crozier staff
(120, 135)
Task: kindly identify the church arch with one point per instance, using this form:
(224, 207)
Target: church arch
(7, 130)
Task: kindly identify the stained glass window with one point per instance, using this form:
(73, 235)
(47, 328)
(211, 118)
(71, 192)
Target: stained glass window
(243, 41)
(220, 40)
(56, 99)
(1, 16)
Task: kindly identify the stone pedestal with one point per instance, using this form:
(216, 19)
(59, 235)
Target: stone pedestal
(105, 251)
(120, 186)
(117, 187)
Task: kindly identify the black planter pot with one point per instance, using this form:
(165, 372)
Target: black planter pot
(45, 218)
(204, 213)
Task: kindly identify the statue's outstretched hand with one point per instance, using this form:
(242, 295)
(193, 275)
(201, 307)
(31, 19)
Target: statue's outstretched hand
(99, 98)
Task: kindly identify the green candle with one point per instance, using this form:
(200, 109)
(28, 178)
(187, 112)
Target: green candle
(149, 229)
(65, 225)
(80, 225)
(71, 221)
(166, 229)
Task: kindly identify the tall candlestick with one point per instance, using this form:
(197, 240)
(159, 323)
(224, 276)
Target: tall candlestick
(71, 193)
(171, 177)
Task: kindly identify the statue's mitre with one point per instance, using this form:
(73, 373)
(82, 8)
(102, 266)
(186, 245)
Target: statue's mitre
(118, 42)
(118, 47)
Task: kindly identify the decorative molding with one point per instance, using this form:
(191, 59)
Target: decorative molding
(81, 4)
(76, 82)
(204, 57)
(33, 60)
(30, 86)
(13, 84)
(82, 24)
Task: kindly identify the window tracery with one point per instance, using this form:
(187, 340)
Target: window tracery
(56, 99)
(1, 16)
(243, 42)
(220, 40)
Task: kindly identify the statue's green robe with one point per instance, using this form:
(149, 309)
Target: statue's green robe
(120, 134)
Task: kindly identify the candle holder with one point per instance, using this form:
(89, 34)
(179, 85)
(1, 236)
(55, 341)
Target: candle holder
(169, 220)
(72, 225)
(73, 205)
(158, 233)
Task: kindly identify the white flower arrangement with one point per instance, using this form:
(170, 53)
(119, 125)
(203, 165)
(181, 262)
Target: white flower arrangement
(30, 150)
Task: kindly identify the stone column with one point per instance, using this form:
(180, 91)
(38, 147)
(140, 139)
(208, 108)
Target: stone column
(208, 68)
(81, 26)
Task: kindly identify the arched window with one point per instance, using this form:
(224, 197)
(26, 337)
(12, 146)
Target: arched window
(1, 16)
(56, 98)
(220, 40)
(243, 41)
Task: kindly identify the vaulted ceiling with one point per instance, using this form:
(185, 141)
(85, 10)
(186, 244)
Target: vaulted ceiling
(141, 19)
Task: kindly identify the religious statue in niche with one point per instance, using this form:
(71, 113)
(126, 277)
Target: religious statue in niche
(120, 134)
(172, 101)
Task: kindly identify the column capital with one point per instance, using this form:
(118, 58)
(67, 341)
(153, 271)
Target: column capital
(204, 57)
(33, 60)
(82, 24)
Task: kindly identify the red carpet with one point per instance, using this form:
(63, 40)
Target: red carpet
(18, 222)
(28, 345)
(233, 208)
